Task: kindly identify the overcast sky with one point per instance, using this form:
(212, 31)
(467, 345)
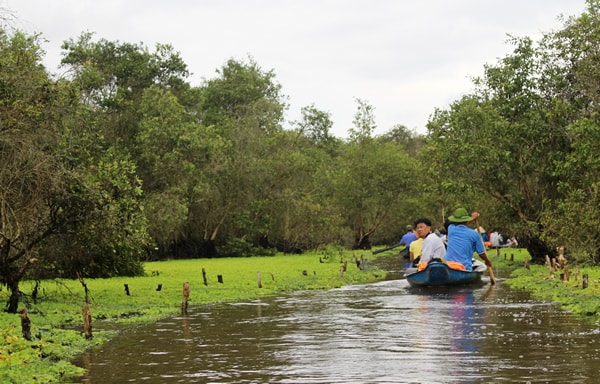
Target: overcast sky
(403, 57)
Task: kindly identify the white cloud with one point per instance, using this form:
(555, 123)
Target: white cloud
(405, 58)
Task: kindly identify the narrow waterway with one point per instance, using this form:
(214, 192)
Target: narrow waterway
(376, 333)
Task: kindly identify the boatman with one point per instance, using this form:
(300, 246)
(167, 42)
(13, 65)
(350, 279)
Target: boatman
(464, 241)
(433, 247)
(407, 239)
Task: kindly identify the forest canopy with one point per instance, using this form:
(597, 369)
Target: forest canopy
(123, 160)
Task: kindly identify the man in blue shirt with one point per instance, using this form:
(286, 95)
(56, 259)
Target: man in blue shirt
(464, 241)
(408, 237)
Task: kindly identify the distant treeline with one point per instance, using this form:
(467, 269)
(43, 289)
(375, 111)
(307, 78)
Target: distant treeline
(121, 159)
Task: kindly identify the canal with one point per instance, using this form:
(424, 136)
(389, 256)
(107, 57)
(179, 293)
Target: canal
(385, 332)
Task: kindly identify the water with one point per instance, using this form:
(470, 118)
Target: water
(376, 333)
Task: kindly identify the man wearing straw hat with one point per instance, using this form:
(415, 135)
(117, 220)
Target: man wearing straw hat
(464, 241)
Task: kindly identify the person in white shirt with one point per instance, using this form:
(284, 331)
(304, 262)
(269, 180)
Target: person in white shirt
(433, 247)
(496, 239)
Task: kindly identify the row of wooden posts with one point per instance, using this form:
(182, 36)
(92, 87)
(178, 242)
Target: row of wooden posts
(86, 312)
(87, 317)
(557, 264)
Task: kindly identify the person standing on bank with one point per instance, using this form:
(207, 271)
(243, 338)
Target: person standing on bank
(433, 247)
(464, 241)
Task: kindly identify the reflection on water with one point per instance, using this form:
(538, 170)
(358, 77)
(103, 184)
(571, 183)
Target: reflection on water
(376, 333)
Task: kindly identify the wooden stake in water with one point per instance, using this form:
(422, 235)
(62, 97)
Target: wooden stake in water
(87, 322)
(25, 324)
(186, 296)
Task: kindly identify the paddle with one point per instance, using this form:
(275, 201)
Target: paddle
(490, 270)
(386, 249)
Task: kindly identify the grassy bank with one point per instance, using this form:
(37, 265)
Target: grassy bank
(57, 321)
(56, 314)
(548, 286)
(570, 294)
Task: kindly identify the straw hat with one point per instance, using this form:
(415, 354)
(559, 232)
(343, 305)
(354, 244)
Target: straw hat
(460, 216)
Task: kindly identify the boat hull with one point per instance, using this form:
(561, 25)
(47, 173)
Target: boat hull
(438, 273)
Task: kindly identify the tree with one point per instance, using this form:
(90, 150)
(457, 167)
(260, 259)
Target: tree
(370, 178)
(243, 91)
(504, 140)
(243, 108)
(574, 52)
(126, 86)
(111, 236)
(363, 123)
(113, 76)
(410, 140)
(571, 220)
(316, 125)
(35, 185)
(176, 155)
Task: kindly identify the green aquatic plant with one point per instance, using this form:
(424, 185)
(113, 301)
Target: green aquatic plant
(57, 319)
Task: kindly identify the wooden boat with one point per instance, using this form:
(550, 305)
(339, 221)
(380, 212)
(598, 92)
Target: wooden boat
(438, 273)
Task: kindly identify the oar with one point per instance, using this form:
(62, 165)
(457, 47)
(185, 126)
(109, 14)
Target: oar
(386, 249)
(490, 270)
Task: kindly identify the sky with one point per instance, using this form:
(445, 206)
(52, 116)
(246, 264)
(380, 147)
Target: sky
(403, 57)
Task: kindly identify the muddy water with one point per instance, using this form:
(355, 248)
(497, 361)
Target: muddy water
(377, 333)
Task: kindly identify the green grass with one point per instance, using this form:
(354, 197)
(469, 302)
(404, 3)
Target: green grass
(57, 321)
(548, 286)
(56, 317)
(508, 259)
(570, 294)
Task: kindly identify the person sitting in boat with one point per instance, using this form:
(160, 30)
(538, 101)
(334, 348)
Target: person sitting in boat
(407, 239)
(416, 248)
(464, 241)
(443, 235)
(433, 247)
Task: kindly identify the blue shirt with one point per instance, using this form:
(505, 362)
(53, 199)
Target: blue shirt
(462, 243)
(408, 238)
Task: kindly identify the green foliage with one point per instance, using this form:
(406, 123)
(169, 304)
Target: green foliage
(240, 247)
(124, 157)
(373, 183)
(177, 155)
(133, 162)
(43, 360)
(243, 91)
(516, 140)
(570, 294)
(363, 123)
(316, 126)
(36, 201)
(330, 253)
(112, 238)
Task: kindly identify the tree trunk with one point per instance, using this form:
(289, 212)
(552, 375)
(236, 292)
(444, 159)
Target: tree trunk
(13, 300)
(361, 242)
(12, 279)
(25, 325)
(537, 249)
(209, 249)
